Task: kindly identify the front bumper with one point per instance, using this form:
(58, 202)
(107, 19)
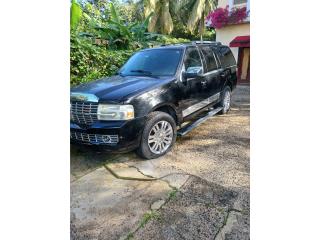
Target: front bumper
(118, 136)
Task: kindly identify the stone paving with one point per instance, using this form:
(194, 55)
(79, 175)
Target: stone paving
(200, 190)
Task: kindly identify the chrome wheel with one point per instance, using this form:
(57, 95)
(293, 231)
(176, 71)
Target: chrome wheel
(226, 101)
(160, 137)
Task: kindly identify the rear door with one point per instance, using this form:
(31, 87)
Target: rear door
(228, 65)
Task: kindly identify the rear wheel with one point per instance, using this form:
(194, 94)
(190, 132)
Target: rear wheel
(158, 136)
(225, 100)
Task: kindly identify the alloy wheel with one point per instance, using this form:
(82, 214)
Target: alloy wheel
(226, 101)
(160, 137)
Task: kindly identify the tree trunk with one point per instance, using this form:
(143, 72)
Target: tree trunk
(201, 26)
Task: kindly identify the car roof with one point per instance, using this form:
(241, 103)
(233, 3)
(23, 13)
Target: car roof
(185, 45)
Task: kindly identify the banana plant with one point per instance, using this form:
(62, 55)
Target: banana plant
(161, 19)
(113, 30)
(122, 35)
(75, 14)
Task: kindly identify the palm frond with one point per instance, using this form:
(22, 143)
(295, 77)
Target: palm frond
(196, 14)
(149, 7)
(165, 19)
(209, 6)
(154, 19)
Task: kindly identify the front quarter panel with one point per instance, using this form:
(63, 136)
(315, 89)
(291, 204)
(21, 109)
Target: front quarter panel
(166, 95)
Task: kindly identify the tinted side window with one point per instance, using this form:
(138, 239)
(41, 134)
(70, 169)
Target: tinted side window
(192, 58)
(209, 58)
(226, 57)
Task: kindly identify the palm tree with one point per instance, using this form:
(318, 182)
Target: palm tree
(163, 9)
(161, 19)
(193, 12)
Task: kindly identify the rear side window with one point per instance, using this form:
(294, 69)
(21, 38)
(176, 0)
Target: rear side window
(209, 58)
(226, 57)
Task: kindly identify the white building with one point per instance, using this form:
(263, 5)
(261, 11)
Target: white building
(237, 36)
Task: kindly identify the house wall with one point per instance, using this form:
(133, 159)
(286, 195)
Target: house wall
(226, 34)
(224, 3)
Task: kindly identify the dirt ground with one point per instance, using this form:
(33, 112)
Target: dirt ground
(200, 190)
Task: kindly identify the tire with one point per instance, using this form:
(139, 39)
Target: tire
(155, 143)
(224, 103)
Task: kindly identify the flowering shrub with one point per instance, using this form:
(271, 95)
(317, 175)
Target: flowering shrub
(218, 18)
(237, 15)
(223, 16)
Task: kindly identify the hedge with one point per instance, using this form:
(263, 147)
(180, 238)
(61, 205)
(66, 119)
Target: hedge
(89, 62)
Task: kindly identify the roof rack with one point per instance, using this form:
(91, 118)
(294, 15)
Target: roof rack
(206, 42)
(173, 44)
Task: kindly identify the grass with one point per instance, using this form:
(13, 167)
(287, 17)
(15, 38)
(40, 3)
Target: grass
(130, 236)
(172, 194)
(149, 216)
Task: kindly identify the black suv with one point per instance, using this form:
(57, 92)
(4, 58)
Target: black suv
(144, 106)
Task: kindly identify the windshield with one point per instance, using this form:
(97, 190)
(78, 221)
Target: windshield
(157, 62)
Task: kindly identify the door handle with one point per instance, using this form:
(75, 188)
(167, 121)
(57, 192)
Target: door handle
(203, 83)
(223, 75)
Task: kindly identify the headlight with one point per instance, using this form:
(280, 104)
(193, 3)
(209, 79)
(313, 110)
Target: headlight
(115, 112)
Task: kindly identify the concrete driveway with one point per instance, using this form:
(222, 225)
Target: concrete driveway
(200, 190)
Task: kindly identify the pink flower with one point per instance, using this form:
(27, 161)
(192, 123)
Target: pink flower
(220, 17)
(237, 15)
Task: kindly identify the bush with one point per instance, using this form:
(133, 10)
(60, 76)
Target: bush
(89, 62)
(164, 39)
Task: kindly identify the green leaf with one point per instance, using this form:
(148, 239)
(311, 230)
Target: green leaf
(76, 13)
(114, 14)
(147, 20)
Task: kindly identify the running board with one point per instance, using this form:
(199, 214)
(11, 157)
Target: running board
(184, 130)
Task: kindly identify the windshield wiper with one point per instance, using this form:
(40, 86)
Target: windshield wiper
(120, 74)
(142, 71)
(147, 73)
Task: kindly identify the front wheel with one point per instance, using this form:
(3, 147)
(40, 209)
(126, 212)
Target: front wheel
(225, 100)
(158, 136)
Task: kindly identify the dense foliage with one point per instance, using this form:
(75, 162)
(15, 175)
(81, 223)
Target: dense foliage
(89, 61)
(102, 40)
(104, 34)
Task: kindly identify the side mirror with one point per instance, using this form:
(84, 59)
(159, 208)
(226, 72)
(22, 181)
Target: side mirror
(192, 72)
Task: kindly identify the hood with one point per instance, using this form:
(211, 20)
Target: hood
(118, 88)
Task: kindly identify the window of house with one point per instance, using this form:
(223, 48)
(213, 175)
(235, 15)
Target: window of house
(236, 2)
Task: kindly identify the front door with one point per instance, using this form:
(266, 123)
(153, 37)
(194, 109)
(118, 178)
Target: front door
(194, 90)
(244, 66)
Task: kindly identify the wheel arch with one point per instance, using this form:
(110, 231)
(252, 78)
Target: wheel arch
(168, 108)
(228, 83)
(229, 80)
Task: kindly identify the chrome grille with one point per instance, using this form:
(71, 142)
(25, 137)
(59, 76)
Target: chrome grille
(83, 112)
(94, 138)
